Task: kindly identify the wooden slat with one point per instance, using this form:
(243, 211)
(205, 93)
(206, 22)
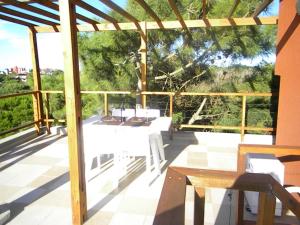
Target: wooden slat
(199, 206)
(226, 94)
(55, 7)
(105, 104)
(178, 15)
(171, 105)
(210, 127)
(243, 116)
(232, 10)
(204, 8)
(107, 92)
(157, 93)
(262, 7)
(73, 111)
(272, 20)
(17, 94)
(95, 11)
(121, 11)
(37, 85)
(19, 127)
(170, 209)
(17, 21)
(287, 199)
(52, 92)
(148, 10)
(31, 8)
(26, 16)
(266, 209)
(47, 110)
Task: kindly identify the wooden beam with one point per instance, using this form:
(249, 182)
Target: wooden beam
(178, 15)
(232, 10)
(73, 111)
(95, 11)
(37, 85)
(55, 7)
(262, 7)
(26, 16)
(148, 10)
(143, 52)
(17, 21)
(272, 20)
(121, 11)
(31, 8)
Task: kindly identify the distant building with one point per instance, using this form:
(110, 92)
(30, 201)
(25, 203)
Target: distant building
(20, 73)
(18, 70)
(47, 71)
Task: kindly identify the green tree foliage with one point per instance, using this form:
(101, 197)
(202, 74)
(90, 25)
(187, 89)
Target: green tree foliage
(16, 110)
(178, 61)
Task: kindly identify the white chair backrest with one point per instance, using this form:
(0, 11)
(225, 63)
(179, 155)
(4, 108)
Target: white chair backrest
(148, 113)
(125, 113)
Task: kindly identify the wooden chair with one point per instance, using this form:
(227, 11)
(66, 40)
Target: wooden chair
(289, 156)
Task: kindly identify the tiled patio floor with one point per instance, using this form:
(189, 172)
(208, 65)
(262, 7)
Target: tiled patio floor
(34, 181)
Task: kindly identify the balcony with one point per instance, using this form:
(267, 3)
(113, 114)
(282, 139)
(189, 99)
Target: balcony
(35, 180)
(34, 169)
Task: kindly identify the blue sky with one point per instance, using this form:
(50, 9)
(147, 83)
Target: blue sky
(15, 48)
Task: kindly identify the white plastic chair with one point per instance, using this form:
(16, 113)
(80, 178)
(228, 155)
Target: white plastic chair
(148, 113)
(127, 113)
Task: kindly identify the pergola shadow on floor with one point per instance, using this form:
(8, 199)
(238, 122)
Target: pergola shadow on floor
(41, 193)
(64, 20)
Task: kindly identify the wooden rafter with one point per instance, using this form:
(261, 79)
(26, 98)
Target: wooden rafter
(232, 10)
(55, 7)
(31, 8)
(148, 10)
(262, 7)
(121, 11)
(17, 21)
(95, 11)
(26, 16)
(248, 21)
(178, 15)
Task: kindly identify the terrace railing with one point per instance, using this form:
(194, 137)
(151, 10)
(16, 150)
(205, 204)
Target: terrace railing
(171, 96)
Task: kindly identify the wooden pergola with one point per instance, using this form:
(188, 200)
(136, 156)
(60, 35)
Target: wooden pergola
(63, 17)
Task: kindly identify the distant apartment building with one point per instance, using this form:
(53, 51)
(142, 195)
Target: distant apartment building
(20, 73)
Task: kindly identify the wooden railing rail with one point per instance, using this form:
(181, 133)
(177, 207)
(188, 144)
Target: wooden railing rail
(171, 205)
(172, 95)
(25, 125)
(18, 94)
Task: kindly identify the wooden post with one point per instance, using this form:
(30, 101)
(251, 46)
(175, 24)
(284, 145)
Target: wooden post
(171, 105)
(199, 206)
(143, 52)
(36, 113)
(47, 112)
(73, 110)
(266, 209)
(105, 104)
(37, 86)
(243, 117)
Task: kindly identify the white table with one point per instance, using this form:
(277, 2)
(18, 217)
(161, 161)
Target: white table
(268, 164)
(122, 142)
